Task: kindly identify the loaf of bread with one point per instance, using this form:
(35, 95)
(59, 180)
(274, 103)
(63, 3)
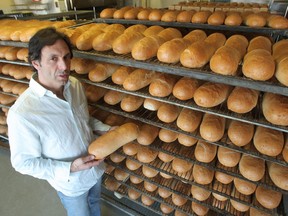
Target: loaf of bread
(244, 187)
(251, 167)
(212, 127)
(239, 206)
(277, 22)
(135, 179)
(178, 200)
(169, 16)
(201, 17)
(268, 141)
(146, 200)
(124, 43)
(221, 188)
(195, 35)
(258, 65)
(119, 14)
(170, 33)
(205, 152)
(107, 13)
(120, 175)
(167, 135)
(216, 18)
(165, 157)
(114, 120)
(223, 177)
(111, 184)
(144, 14)
(199, 209)
(185, 88)
(281, 71)
(242, 100)
(225, 61)
(257, 212)
(216, 40)
(113, 97)
(278, 174)
(11, 53)
(202, 175)
(146, 154)
(200, 193)
(228, 157)
(268, 198)
(136, 28)
(181, 165)
(22, 54)
(275, 108)
(147, 134)
(104, 41)
(94, 93)
(151, 104)
(240, 133)
(139, 79)
(166, 209)
(186, 140)
(285, 150)
(162, 85)
(149, 172)
(121, 73)
(239, 42)
(153, 30)
(279, 50)
(130, 148)
(211, 94)
(168, 113)
(164, 193)
(133, 194)
(131, 103)
(185, 16)
(155, 15)
(233, 19)
(150, 186)
(111, 141)
(189, 120)
(147, 47)
(132, 13)
(132, 164)
(255, 20)
(81, 65)
(102, 71)
(85, 40)
(260, 42)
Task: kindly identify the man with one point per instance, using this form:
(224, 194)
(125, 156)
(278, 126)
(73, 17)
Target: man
(50, 128)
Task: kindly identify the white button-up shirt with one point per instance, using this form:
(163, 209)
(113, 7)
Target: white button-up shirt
(47, 133)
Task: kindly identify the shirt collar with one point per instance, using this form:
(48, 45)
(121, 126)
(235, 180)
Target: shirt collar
(38, 89)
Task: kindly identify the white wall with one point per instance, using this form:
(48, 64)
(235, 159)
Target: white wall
(6, 5)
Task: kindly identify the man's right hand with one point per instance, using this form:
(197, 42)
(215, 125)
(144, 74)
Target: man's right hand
(84, 163)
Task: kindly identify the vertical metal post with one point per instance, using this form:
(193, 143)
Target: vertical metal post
(76, 17)
(94, 11)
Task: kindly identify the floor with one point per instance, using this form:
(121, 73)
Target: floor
(27, 196)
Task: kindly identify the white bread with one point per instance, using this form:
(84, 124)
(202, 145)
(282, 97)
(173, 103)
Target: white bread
(166, 209)
(132, 165)
(144, 14)
(121, 73)
(162, 85)
(277, 22)
(82, 66)
(268, 198)
(257, 212)
(146, 200)
(131, 103)
(132, 13)
(114, 27)
(147, 47)
(185, 16)
(223, 177)
(116, 158)
(216, 18)
(135, 179)
(195, 35)
(146, 154)
(136, 28)
(150, 186)
(244, 187)
(228, 157)
(163, 192)
(165, 157)
(111, 184)
(200, 193)
(107, 13)
(240, 133)
(181, 165)
(94, 93)
(178, 200)
(211, 94)
(149, 172)
(102, 71)
(170, 33)
(114, 119)
(139, 79)
(212, 127)
(201, 17)
(85, 40)
(185, 88)
(119, 13)
(151, 104)
(113, 97)
(280, 72)
(275, 108)
(189, 120)
(199, 209)
(186, 140)
(205, 152)
(104, 41)
(268, 141)
(167, 135)
(242, 100)
(147, 134)
(251, 167)
(130, 148)
(155, 15)
(124, 43)
(202, 175)
(133, 194)
(255, 20)
(112, 140)
(260, 42)
(239, 42)
(279, 175)
(285, 150)
(120, 175)
(168, 113)
(153, 30)
(170, 16)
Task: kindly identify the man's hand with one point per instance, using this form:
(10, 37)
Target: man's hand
(84, 163)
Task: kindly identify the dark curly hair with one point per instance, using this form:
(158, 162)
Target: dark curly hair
(45, 37)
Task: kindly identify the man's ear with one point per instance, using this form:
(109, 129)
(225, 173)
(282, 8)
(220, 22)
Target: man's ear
(36, 64)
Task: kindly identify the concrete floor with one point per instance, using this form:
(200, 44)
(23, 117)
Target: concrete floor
(27, 196)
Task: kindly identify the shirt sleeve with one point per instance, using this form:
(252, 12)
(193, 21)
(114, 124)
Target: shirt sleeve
(97, 125)
(25, 148)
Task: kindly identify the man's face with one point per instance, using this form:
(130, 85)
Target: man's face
(54, 66)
